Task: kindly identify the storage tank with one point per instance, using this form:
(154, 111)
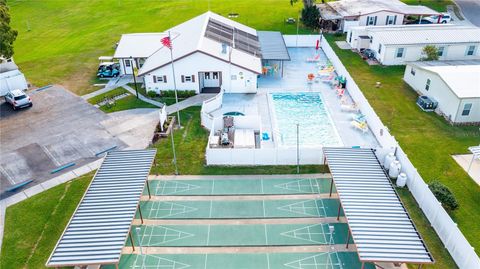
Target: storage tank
(394, 169)
(402, 180)
(388, 160)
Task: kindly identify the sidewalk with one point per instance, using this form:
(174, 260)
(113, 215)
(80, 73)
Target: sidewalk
(191, 101)
(143, 98)
(112, 84)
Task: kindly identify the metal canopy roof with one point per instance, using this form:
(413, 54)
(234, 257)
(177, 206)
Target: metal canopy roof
(99, 227)
(379, 224)
(273, 46)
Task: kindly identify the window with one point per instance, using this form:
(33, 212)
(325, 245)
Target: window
(391, 20)
(412, 71)
(207, 75)
(466, 109)
(233, 77)
(188, 78)
(379, 48)
(372, 20)
(157, 79)
(215, 75)
(427, 85)
(471, 50)
(350, 38)
(400, 52)
(128, 63)
(441, 50)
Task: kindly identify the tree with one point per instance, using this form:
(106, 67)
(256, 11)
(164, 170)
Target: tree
(430, 52)
(311, 16)
(7, 34)
(444, 195)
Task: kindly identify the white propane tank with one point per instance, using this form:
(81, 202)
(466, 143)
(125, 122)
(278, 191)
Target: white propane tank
(402, 180)
(388, 160)
(394, 169)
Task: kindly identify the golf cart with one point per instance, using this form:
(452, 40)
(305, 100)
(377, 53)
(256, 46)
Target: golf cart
(108, 70)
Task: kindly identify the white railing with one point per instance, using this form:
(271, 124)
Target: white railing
(208, 106)
(453, 239)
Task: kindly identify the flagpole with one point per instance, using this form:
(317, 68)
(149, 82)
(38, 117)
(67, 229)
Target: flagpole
(174, 80)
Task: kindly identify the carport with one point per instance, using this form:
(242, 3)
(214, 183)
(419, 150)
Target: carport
(274, 52)
(378, 222)
(102, 221)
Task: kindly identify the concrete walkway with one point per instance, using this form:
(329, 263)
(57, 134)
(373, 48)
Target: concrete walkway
(143, 98)
(112, 84)
(191, 101)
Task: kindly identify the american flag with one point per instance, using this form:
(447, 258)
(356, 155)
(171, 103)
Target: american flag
(166, 42)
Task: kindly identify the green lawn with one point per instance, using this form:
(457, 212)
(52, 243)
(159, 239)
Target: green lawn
(427, 138)
(60, 41)
(129, 102)
(438, 5)
(33, 226)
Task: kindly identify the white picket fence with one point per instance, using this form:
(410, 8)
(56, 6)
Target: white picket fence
(209, 106)
(453, 239)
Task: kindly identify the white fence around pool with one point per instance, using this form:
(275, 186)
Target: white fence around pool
(453, 239)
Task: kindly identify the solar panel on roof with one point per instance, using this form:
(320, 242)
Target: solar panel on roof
(380, 226)
(232, 36)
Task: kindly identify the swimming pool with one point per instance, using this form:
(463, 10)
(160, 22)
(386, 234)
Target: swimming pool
(316, 127)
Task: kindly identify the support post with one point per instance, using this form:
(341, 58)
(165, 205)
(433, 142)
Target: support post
(363, 265)
(131, 240)
(420, 266)
(140, 211)
(148, 189)
(339, 209)
(348, 238)
(116, 266)
(331, 187)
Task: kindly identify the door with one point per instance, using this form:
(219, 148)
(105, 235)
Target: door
(211, 79)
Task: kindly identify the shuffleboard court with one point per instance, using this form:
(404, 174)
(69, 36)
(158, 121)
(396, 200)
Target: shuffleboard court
(240, 186)
(338, 260)
(242, 235)
(239, 209)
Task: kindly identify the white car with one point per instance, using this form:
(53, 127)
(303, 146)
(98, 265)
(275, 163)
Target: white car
(18, 99)
(444, 18)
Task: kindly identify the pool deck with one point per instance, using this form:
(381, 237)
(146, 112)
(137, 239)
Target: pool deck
(294, 80)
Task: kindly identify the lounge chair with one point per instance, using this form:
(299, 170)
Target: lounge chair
(340, 92)
(349, 107)
(362, 126)
(360, 118)
(314, 59)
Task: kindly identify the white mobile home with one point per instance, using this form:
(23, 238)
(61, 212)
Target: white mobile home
(396, 45)
(11, 78)
(343, 14)
(455, 85)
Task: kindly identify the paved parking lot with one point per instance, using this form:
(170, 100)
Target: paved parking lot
(59, 129)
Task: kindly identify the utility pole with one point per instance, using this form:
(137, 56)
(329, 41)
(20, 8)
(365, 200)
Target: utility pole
(298, 149)
(133, 73)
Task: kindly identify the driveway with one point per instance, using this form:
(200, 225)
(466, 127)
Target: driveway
(60, 128)
(471, 10)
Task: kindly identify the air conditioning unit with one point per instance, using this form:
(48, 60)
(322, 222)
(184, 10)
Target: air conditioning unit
(426, 103)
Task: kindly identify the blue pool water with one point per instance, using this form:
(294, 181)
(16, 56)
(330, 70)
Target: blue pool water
(308, 110)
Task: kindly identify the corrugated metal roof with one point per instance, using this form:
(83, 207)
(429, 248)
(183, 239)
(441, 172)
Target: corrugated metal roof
(273, 46)
(424, 34)
(99, 227)
(380, 226)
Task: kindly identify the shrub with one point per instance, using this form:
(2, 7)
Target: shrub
(430, 52)
(180, 94)
(151, 94)
(444, 195)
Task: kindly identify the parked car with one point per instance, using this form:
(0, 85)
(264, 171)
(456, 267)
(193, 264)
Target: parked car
(18, 99)
(108, 70)
(422, 21)
(368, 53)
(443, 18)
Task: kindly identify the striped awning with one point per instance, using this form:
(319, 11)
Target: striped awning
(99, 227)
(379, 224)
